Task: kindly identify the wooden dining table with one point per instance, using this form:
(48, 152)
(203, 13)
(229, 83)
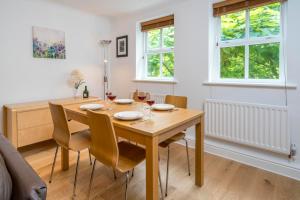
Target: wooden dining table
(149, 133)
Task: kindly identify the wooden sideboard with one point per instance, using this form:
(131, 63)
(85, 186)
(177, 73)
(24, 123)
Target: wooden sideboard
(29, 123)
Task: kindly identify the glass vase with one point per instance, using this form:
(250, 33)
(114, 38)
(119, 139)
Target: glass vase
(75, 92)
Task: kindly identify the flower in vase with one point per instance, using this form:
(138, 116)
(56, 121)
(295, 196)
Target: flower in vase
(76, 79)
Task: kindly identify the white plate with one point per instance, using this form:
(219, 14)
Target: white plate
(163, 107)
(124, 101)
(92, 106)
(128, 115)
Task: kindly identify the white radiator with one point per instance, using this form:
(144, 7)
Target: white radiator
(158, 98)
(261, 126)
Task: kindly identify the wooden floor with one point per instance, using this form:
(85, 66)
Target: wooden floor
(224, 179)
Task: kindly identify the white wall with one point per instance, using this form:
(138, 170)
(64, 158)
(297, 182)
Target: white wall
(191, 70)
(24, 78)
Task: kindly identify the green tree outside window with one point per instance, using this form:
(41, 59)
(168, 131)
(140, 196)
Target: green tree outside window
(261, 54)
(160, 52)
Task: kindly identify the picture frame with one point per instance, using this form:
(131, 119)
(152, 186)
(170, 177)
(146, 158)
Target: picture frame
(48, 43)
(122, 46)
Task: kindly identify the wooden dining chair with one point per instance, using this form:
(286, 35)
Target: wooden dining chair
(121, 156)
(179, 102)
(77, 141)
(136, 94)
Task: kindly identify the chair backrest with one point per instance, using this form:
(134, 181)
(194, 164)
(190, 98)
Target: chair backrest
(61, 133)
(178, 101)
(104, 144)
(136, 93)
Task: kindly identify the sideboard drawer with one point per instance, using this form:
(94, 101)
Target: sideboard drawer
(33, 118)
(35, 134)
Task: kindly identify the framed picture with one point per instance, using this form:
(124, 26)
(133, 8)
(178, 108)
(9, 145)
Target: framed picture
(122, 46)
(48, 43)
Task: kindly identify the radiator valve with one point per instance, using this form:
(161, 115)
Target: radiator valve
(293, 151)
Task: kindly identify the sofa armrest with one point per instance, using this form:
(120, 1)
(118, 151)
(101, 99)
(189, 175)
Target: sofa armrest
(26, 183)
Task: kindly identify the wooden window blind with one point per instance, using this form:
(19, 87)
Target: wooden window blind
(157, 23)
(230, 6)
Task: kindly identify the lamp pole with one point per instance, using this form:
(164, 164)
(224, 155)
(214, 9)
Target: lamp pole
(105, 44)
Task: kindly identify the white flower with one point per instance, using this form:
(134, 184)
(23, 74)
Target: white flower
(76, 79)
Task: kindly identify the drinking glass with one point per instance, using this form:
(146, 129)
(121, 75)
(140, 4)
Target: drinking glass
(150, 102)
(111, 98)
(142, 96)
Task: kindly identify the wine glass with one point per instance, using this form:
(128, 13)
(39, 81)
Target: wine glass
(142, 96)
(111, 98)
(150, 102)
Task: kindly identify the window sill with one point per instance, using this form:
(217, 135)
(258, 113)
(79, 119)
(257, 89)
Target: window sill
(254, 85)
(166, 81)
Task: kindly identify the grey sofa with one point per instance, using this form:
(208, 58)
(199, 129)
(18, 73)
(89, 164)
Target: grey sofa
(26, 184)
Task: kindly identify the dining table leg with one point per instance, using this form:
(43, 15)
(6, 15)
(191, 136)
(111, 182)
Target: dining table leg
(64, 159)
(152, 168)
(199, 153)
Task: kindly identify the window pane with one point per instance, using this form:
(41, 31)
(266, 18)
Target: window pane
(153, 39)
(153, 65)
(168, 36)
(233, 26)
(233, 62)
(168, 65)
(264, 61)
(265, 20)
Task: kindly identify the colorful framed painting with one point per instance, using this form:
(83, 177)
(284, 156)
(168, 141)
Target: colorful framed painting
(48, 43)
(122, 46)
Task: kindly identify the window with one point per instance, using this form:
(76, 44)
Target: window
(249, 44)
(159, 53)
(155, 60)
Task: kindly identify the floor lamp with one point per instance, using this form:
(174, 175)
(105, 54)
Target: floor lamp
(105, 44)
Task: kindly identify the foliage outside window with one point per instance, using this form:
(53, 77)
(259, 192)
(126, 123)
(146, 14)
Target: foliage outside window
(159, 53)
(250, 44)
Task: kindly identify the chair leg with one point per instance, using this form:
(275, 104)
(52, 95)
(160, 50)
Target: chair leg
(132, 173)
(76, 172)
(115, 175)
(160, 185)
(53, 164)
(126, 186)
(91, 179)
(187, 155)
(90, 157)
(167, 176)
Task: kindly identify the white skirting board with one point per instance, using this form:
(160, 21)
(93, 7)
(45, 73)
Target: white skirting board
(261, 163)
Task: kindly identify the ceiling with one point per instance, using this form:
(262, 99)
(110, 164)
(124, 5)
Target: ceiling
(113, 7)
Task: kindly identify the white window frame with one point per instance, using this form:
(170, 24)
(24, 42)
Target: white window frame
(161, 50)
(247, 41)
